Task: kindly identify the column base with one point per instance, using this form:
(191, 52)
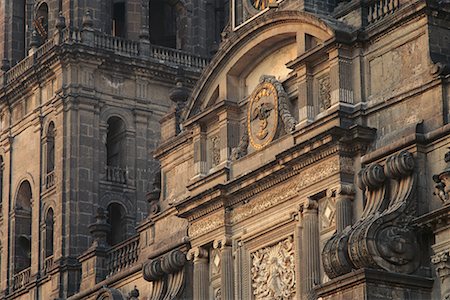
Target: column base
(375, 285)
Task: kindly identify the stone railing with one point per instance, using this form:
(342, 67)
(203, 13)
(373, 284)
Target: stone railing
(378, 9)
(50, 179)
(48, 264)
(109, 43)
(116, 174)
(177, 57)
(123, 256)
(21, 279)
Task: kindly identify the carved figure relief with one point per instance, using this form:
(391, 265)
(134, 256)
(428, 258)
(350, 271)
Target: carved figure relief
(215, 150)
(442, 180)
(382, 238)
(273, 271)
(324, 93)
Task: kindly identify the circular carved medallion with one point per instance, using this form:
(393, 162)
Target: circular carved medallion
(262, 119)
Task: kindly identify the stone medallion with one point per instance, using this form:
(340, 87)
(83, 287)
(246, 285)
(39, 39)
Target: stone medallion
(262, 120)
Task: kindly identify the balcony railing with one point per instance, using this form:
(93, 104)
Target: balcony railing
(48, 264)
(378, 9)
(123, 256)
(114, 44)
(116, 174)
(50, 179)
(21, 279)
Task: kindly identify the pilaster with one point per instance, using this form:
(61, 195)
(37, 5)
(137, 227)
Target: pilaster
(305, 95)
(226, 267)
(345, 195)
(199, 256)
(341, 75)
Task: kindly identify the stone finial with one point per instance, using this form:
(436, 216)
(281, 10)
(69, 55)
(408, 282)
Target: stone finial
(442, 180)
(100, 229)
(179, 94)
(87, 20)
(60, 22)
(133, 294)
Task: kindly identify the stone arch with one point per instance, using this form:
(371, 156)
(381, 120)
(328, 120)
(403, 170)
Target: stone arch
(109, 294)
(125, 115)
(252, 38)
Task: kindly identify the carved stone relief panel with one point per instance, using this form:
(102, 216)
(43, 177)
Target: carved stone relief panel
(273, 271)
(214, 150)
(324, 93)
(327, 212)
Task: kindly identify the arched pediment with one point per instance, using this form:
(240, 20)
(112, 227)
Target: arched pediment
(244, 49)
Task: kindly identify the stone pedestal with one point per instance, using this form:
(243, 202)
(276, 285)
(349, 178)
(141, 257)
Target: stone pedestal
(375, 285)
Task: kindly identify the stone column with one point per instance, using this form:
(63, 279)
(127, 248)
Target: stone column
(441, 261)
(344, 198)
(201, 272)
(226, 268)
(310, 246)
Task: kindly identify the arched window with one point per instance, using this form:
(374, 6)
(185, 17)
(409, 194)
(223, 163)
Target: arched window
(41, 21)
(115, 143)
(163, 23)
(22, 234)
(50, 148)
(119, 19)
(49, 224)
(116, 219)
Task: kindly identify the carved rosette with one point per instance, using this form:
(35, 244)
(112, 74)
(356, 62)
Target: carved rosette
(382, 238)
(273, 271)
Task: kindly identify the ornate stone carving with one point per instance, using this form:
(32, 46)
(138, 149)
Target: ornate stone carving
(215, 150)
(442, 180)
(205, 226)
(382, 238)
(324, 93)
(273, 271)
(268, 101)
(441, 261)
(110, 294)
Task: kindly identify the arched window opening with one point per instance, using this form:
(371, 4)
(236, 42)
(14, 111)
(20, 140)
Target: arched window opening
(115, 142)
(18, 30)
(49, 233)
(119, 19)
(41, 21)
(22, 234)
(116, 219)
(163, 24)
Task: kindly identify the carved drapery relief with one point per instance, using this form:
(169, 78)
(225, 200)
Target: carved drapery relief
(324, 93)
(382, 238)
(273, 271)
(268, 101)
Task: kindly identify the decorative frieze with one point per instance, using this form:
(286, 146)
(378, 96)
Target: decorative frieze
(273, 271)
(324, 93)
(206, 225)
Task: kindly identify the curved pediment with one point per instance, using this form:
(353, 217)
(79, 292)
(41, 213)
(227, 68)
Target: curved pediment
(263, 46)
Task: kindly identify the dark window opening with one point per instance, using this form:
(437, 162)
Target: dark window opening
(118, 20)
(18, 31)
(49, 225)
(116, 219)
(115, 143)
(22, 257)
(163, 24)
(50, 148)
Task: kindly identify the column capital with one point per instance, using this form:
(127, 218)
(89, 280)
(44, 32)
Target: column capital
(310, 205)
(441, 260)
(346, 189)
(197, 253)
(222, 242)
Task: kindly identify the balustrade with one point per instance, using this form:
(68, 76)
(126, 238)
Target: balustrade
(50, 180)
(380, 8)
(123, 256)
(48, 264)
(21, 279)
(116, 174)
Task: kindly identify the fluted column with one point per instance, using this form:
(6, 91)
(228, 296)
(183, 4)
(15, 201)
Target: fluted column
(201, 273)
(226, 268)
(344, 198)
(310, 244)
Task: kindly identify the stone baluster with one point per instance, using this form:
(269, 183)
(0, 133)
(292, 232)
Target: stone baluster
(201, 272)
(310, 246)
(87, 34)
(226, 267)
(344, 198)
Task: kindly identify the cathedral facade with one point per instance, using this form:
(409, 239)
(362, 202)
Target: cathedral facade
(244, 149)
